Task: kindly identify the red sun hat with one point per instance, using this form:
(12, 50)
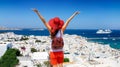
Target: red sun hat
(61, 24)
(56, 23)
(51, 23)
(57, 20)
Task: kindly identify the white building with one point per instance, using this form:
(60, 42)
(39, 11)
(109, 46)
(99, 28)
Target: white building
(3, 47)
(25, 62)
(39, 57)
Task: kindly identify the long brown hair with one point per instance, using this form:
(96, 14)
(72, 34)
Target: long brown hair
(53, 32)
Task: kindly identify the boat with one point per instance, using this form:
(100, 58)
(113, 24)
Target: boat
(106, 31)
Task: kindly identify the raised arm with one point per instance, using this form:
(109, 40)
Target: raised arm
(42, 19)
(67, 22)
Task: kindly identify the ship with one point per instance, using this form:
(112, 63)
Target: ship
(106, 31)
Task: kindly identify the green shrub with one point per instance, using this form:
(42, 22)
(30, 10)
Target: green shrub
(24, 38)
(9, 59)
(38, 41)
(66, 60)
(18, 52)
(47, 63)
(33, 50)
(39, 65)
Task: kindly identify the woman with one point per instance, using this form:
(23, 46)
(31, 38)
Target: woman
(56, 29)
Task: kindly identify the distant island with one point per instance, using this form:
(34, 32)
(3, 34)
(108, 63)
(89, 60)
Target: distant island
(6, 28)
(37, 29)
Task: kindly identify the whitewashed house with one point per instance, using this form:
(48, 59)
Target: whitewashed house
(4, 47)
(39, 57)
(25, 62)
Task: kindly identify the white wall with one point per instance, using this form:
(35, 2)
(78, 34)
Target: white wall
(3, 48)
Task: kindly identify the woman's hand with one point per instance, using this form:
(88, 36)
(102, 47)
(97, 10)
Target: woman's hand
(35, 10)
(77, 12)
(42, 18)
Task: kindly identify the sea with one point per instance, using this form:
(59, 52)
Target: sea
(112, 39)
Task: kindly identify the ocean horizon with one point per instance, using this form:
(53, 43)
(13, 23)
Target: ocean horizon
(112, 39)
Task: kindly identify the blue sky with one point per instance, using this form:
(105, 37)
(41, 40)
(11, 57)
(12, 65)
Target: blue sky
(94, 14)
